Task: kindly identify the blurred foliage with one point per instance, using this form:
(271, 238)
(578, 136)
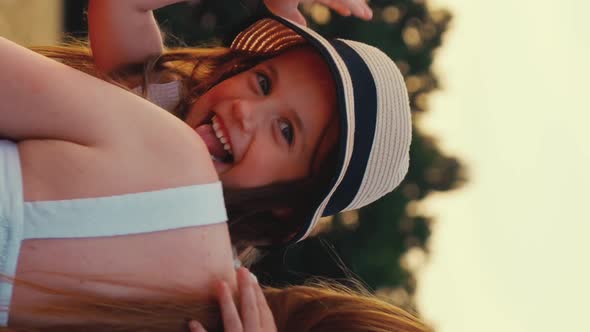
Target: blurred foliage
(373, 244)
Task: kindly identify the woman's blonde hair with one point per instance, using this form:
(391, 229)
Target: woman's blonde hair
(322, 306)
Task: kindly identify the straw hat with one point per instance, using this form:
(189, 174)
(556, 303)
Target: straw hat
(373, 107)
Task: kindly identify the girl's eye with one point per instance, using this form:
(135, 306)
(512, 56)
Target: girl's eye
(263, 83)
(286, 130)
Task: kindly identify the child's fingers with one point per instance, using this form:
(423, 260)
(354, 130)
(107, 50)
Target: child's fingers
(294, 15)
(340, 6)
(248, 307)
(287, 9)
(358, 8)
(195, 326)
(267, 321)
(229, 312)
(364, 11)
(254, 314)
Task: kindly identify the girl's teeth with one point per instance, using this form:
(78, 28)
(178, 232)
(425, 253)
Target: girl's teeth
(219, 135)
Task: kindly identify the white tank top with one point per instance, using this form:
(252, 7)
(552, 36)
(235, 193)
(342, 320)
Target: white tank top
(92, 217)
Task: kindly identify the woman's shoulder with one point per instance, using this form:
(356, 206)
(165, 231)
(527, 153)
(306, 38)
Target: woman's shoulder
(54, 170)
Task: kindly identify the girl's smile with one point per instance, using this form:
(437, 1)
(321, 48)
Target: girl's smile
(271, 123)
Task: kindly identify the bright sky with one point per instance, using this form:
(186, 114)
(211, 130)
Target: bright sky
(511, 250)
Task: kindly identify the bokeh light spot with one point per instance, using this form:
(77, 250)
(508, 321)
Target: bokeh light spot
(320, 14)
(391, 14)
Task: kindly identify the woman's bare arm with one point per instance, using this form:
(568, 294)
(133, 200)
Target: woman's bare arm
(132, 141)
(124, 31)
(42, 98)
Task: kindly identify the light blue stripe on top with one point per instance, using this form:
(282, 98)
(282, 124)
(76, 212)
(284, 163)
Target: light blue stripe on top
(143, 212)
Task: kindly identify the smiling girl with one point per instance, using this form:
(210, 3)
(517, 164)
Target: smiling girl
(264, 131)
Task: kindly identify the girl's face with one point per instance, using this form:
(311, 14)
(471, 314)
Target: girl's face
(272, 123)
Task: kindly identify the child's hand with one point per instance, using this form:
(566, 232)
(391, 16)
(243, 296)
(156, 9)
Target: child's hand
(254, 314)
(288, 8)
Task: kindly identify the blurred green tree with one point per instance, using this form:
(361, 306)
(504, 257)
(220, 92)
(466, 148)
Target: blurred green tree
(373, 243)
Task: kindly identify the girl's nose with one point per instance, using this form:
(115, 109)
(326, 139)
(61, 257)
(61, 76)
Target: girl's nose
(245, 114)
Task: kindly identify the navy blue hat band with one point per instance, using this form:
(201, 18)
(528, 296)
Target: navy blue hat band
(365, 106)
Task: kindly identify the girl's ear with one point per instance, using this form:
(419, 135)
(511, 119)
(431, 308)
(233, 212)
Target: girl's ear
(282, 212)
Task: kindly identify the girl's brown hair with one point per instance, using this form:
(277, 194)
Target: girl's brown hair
(251, 220)
(324, 307)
